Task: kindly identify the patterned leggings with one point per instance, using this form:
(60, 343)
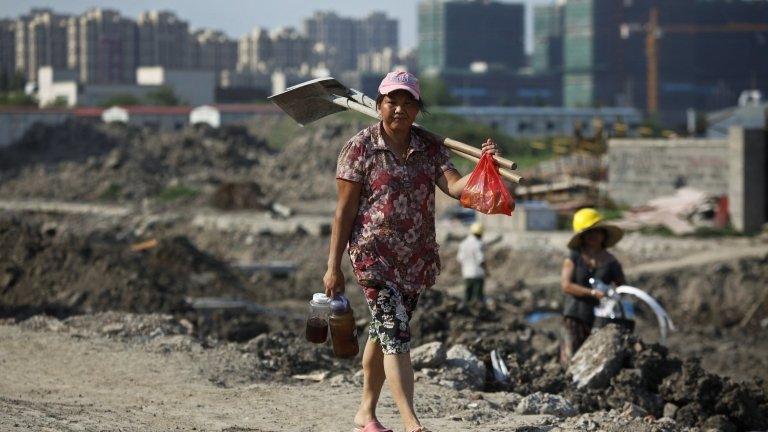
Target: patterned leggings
(391, 311)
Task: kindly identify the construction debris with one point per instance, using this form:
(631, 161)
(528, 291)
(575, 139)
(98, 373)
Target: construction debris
(228, 168)
(681, 213)
(599, 359)
(544, 403)
(147, 244)
(104, 279)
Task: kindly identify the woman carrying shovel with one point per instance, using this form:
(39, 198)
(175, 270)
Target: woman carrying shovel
(385, 213)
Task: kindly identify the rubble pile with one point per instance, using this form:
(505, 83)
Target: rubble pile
(681, 213)
(83, 276)
(229, 168)
(239, 196)
(84, 161)
(507, 264)
(305, 251)
(305, 168)
(612, 369)
(286, 354)
(718, 296)
(112, 324)
(278, 355)
(46, 146)
(710, 296)
(634, 380)
(61, 274)
(651, 390)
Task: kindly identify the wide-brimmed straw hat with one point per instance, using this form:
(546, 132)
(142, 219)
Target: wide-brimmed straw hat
(589, 219)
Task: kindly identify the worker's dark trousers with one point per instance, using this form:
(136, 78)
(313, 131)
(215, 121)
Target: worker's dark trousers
(473, 289)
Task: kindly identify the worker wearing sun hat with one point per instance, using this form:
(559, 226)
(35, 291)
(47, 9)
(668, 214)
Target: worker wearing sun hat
(588, 258)
(590, 219)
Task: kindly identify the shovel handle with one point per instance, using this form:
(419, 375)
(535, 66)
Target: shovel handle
(507, 174)
(458, 147)
(470, 150)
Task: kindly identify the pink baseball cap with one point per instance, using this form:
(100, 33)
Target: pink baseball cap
(400, 80)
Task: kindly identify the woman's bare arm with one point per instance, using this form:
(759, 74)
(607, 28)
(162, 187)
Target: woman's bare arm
(573, 288)
(452, 183)
(343, 218)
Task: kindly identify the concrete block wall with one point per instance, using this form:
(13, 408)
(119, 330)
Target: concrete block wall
(748, 182)
(642, 169)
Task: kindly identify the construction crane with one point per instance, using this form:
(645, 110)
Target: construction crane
(653, 32)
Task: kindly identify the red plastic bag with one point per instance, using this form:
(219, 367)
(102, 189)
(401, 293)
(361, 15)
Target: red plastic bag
(485, 192)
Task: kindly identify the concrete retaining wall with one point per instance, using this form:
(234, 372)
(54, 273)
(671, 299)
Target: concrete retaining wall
(748, 184)
(641, 169)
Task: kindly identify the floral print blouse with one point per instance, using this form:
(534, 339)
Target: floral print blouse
(393, 236)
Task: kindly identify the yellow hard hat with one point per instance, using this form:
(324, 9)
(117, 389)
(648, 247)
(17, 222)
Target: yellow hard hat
(589, 218)
(585, 218)
(477, 228)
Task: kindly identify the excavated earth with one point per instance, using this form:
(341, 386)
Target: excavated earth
(75, 279)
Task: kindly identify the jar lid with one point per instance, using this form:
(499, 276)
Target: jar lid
(339, 304)
(320, 298)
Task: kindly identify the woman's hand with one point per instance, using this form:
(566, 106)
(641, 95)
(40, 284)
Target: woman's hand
(333, 282)
(452, 183)
(489, 146)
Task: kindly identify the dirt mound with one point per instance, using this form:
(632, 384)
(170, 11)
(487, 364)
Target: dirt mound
(62, 274)
(239, 196)
(110, 162)
(649, 377)
(72, 141)
(305, 168)
(112, 324)
(700, 296)
(716, 295)
(85, 161)
(285, 353)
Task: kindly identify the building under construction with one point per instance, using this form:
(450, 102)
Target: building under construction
(455, 34)
(663, 56)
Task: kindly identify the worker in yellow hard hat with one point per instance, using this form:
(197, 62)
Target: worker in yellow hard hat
(471, 256)
(589, 258)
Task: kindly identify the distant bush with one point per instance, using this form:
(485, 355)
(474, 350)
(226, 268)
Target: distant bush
(121, 100)
(174, 193)
(111, 193)
(163, 96)
(17, 98)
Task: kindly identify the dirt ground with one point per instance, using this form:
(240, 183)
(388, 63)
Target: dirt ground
(113, 363)
(56, 382)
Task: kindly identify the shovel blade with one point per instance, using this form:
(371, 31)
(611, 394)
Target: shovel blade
(311, 100)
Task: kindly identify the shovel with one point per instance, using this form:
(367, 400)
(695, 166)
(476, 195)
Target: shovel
(321, 97)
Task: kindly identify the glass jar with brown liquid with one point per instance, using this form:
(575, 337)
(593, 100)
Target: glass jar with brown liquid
(343, 328)
(317, 320)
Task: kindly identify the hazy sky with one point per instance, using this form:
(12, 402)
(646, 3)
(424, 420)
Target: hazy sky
(237, 17)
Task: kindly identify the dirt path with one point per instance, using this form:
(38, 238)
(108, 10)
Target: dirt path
(57, 382)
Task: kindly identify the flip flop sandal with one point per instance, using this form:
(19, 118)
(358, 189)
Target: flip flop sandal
(373, 426)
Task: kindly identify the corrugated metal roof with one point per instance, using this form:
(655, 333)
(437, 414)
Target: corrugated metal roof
(157, 110)
(248, 108)
(87, 111)
(31, 109)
